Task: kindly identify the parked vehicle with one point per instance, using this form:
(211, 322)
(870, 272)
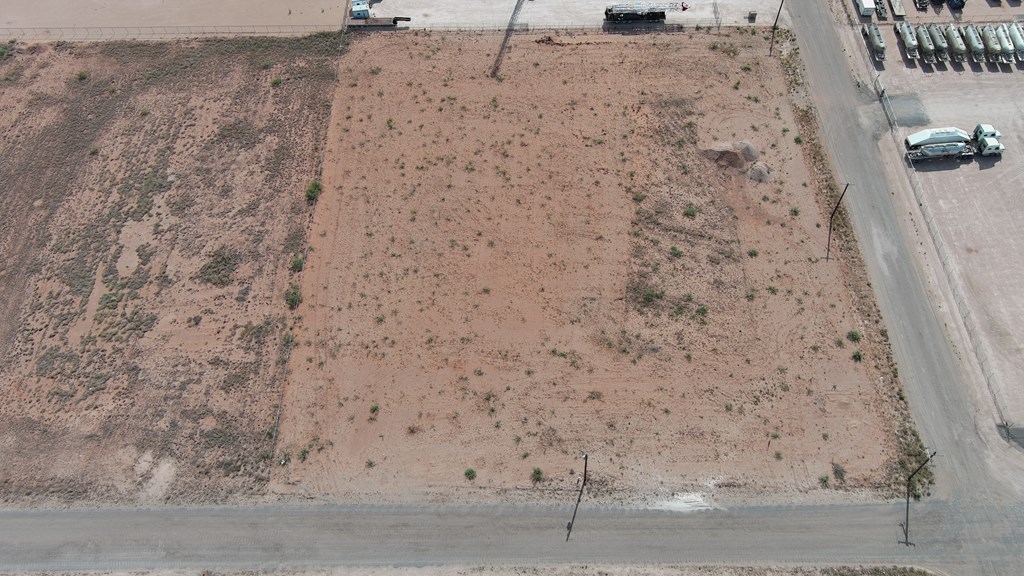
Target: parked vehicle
(974, 42)
(875, 40)
(939, 41)
(924, 40)
(935, 143)
(906, 33)
(957, 48)
(865, 7)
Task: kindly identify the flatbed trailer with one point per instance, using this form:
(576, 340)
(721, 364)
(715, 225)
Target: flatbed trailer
(378, 22)
(897, 9)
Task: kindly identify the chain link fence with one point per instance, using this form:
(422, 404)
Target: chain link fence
(101, 33)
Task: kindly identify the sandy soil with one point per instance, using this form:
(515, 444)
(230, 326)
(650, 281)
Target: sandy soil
(153, 200)
(80, 13)
(509, 272)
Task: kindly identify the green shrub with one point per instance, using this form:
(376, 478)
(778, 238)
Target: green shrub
(293, 296)
(537, 475)
(298, 264)
(470, 474)
(219, 269)
(313, 191)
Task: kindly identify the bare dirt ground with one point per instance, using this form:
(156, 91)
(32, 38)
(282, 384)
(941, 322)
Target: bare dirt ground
(508, 272)
(574, 256)
(62, 13)
(152, 201)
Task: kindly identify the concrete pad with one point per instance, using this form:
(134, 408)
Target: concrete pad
(976, 208)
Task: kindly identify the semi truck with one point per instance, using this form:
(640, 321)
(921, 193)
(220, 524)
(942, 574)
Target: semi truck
(974, 42)
(1005, 46)
(875, 40)
(939, 41)
(641, 11)
(924, 40)
(957, 48)
(906, 33)
(1016, 33)
(936, 143)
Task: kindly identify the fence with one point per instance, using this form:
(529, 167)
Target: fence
(101, 33)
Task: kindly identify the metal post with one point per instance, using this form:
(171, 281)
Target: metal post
(906, 521)
(828, 246)
(568, 529)
(774, 26)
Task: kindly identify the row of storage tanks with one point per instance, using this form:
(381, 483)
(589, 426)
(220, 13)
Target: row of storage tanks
(992, 42)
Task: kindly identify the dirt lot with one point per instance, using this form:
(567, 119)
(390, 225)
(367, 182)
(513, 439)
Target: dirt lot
(614, 246)
(504, 277)
(152, 199)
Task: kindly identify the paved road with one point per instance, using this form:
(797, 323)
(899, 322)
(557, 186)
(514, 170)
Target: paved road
(974, 526)
(294, 538)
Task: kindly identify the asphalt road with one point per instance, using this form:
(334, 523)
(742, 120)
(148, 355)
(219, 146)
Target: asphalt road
(975, 525)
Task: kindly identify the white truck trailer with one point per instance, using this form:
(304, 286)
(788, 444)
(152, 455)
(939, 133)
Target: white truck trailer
(935, 143)
(865, 7)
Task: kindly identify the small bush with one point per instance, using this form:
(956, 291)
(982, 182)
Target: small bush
(276, 82)
(83, 75)
(537, 475)
(293, 296)
(370, 463)
(313, 191)
(798, 140)
(823, 480)
(470, 474)
(778, 455)
(675, 252)
(690, 211)
(298, 264)
(752, 253)
(839, 472)
(857, 356)
(853, 336)
(650, 296)
(374, 408)
(219, 269)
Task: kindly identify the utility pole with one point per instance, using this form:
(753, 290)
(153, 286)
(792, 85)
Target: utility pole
(906, 521)
(568, 529)
(828, 247)
(774, 26)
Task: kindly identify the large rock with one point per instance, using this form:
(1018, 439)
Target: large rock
(759, 172)
(747, 150)
(725, 154)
